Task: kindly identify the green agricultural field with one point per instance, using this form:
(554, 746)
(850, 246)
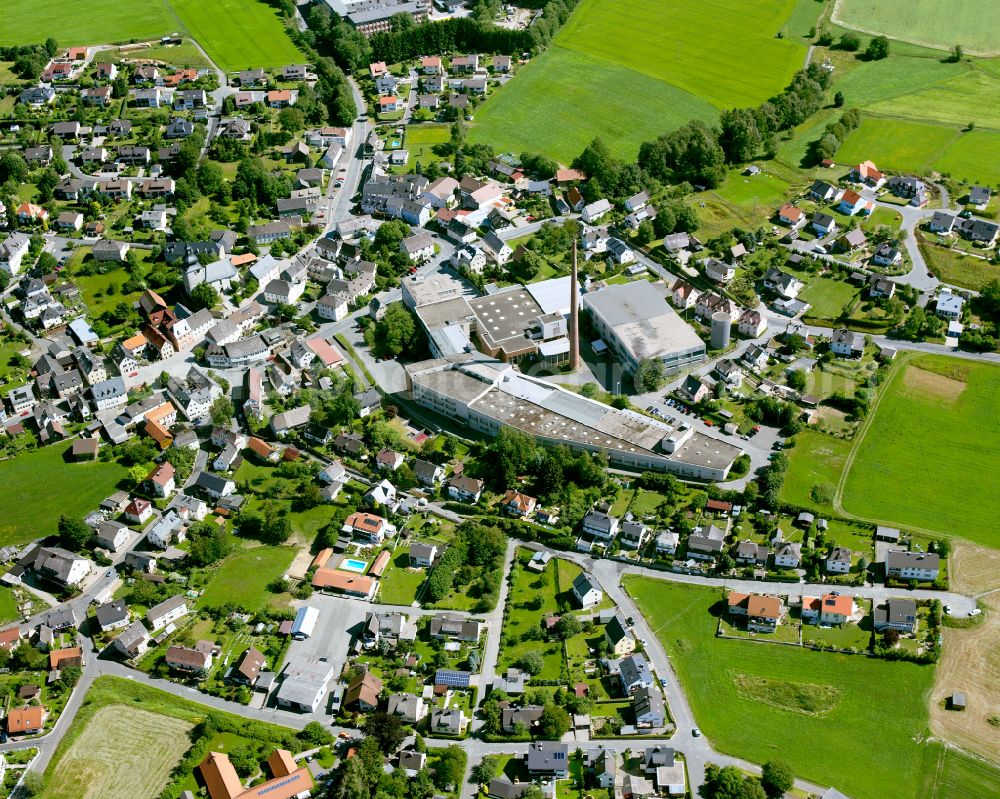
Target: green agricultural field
(533, 114)
(803, 19)
(897, 144)
(975, 24)
(950, 774)
(80, 22)
(103, 763)
(921, 458)
(816, 459)
(238, 34)
(628, 77)
(243, 577)
(26, 507)
(867, 82)
(958, 101)
(819, 710)
(972, 157)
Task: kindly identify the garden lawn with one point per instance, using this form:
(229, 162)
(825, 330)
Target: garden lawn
(421, 140)
(33, 481)
(238, 34)
(94, 288)
(816, 459)
(400, 584)
(975, 24)
(532, 598)
(80, 22)
(8, 606)
(922, 458)
(828, 298)
(602, 62)
(755, 721)
(243, 577)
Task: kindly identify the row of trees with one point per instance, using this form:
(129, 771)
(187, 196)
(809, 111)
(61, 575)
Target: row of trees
(834, 135)
(30, 59)
(698, 153)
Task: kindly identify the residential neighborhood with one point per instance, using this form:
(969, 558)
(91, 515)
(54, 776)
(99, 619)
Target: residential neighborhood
(362, 435)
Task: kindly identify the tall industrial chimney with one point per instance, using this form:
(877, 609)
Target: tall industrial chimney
(574, 317)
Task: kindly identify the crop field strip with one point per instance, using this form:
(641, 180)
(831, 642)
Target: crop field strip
(103, 763)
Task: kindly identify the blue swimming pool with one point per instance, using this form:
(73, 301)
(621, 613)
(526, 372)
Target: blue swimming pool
(352, 565)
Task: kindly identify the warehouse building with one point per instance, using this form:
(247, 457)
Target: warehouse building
(636, 322)
(486, 395)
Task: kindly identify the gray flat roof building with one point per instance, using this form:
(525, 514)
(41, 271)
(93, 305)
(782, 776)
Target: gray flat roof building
(637, 323)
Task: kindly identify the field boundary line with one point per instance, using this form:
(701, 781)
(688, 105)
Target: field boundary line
(859, 438)
(836, 19)
(861, 433)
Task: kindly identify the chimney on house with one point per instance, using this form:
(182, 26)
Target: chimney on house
(574, 317)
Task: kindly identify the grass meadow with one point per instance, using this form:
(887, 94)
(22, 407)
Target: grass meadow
(817, 711)
(956, 268)
(975, 24)
(420, 143)
(27, 508)
(925, 453)
(815, 459)
(243, 577)
(629, 77)
(82, 22)
(238, 34)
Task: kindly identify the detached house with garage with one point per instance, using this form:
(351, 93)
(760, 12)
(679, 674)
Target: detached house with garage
(896, 614)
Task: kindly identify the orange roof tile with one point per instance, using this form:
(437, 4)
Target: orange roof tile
(343, 581)
(841, 604)
(24, 719)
